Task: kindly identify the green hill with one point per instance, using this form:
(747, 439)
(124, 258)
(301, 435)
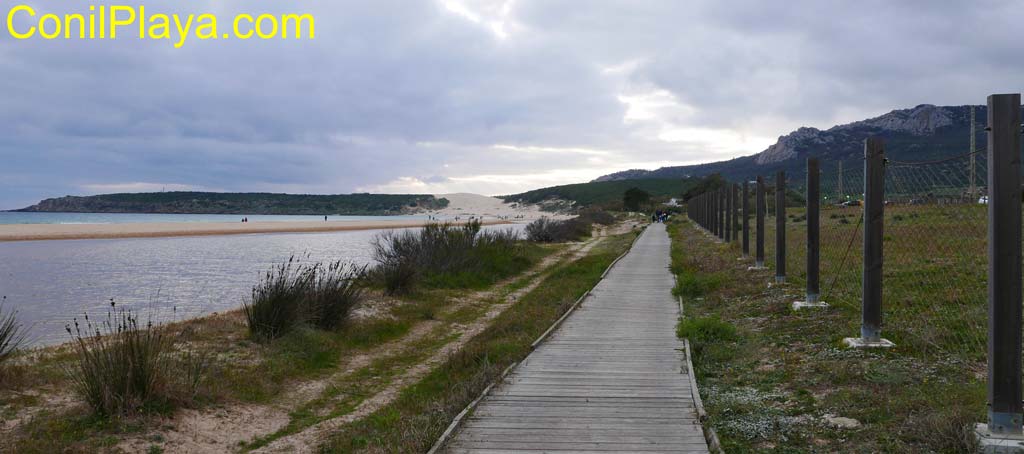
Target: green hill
(604, 193)
(241, 203)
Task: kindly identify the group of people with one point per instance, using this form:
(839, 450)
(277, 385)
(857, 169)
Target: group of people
(659, 216)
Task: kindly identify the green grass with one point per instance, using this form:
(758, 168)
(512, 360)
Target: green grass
(769, 387)
(414, 421)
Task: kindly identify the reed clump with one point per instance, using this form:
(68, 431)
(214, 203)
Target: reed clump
(12, 333)
(122, 367)
(293, 294)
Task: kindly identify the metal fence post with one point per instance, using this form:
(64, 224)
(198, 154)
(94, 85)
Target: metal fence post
(746, 219)
(874, 215)
(728, 214)
(813, 236)
(1004, 271)
(780, 227)
(759, 202)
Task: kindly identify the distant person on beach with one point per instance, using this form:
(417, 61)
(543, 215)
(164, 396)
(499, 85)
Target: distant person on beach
(325, 218)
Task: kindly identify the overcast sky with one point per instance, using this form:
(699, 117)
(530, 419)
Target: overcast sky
(486, 96)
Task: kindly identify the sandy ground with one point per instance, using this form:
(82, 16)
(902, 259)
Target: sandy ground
(463, 206)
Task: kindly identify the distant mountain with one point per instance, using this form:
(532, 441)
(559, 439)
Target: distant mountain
(923, 133)
(241, 203)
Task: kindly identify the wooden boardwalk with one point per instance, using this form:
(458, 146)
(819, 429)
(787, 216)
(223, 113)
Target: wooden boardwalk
(612, 378)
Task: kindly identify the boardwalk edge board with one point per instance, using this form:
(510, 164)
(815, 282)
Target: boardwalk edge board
(462, 415)
(702, 415)
(465, 411)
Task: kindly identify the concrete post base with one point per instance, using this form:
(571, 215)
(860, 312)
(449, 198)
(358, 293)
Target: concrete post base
(780, 279)
(858, 342)
(998, 443)
(797, 305)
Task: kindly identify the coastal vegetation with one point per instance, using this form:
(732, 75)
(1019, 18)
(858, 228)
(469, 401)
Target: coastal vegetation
(180, 202)
(305, 381)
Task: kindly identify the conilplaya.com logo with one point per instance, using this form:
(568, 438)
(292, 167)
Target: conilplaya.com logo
(109, 22)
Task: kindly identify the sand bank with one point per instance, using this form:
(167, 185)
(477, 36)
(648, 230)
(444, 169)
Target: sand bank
(30, 232)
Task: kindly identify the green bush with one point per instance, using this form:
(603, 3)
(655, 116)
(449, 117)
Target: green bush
(447, 256)
(546, 230)
(706, 329)
(693, 285)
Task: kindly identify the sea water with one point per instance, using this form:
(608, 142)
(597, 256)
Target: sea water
(9, 217)
(164, 279)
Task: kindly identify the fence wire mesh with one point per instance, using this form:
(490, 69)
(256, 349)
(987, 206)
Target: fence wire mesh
(935, 280)
(934, 241)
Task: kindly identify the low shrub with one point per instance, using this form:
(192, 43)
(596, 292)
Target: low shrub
(446, 256)
(597, 217)
(546, 230)
(693, 285)
(121, 367)
(12, 333)
(704, 332)
(706, 329)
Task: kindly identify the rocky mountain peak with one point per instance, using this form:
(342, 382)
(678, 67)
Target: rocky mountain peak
(921, 120)
(788, 145)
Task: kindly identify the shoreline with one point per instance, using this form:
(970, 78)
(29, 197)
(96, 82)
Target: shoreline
(49, 232)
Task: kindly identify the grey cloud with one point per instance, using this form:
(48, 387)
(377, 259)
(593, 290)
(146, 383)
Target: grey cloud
(400, 88)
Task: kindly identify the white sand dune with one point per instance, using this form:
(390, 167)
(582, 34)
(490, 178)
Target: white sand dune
(465, 204)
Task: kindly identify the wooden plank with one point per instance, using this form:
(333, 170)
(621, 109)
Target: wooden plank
(610, 378)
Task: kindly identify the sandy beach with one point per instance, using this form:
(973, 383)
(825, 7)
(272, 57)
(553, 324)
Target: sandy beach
(463, 206)
(32, 232)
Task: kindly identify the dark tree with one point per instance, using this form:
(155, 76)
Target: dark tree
(634, 198)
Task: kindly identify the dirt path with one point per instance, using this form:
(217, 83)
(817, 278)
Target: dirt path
(309, 439)
(225, 428)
